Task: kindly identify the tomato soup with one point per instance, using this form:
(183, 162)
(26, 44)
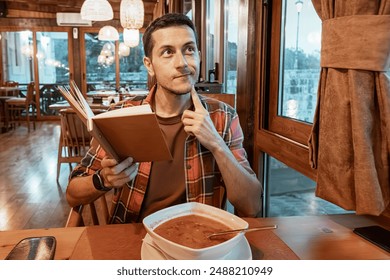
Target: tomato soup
(192, 231)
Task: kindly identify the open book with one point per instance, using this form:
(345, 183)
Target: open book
(131, 131)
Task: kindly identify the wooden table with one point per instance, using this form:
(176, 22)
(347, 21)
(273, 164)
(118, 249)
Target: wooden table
(64, 105)
(313, 237)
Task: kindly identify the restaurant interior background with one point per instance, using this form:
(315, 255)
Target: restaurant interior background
(47, 42)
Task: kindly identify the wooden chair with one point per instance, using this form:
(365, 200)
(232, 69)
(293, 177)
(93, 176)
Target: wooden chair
(74, 139)
(11, 84)
(98, 215)
(16, 106)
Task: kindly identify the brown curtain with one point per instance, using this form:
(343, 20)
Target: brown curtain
(175, 6)
(159, 9)
(350, 140)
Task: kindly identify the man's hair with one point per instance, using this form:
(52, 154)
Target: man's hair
(167, 20)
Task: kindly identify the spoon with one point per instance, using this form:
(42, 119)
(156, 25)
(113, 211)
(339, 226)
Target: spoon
(241, 230)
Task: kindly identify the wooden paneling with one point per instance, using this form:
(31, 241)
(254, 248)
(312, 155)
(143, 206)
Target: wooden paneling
(46, 9)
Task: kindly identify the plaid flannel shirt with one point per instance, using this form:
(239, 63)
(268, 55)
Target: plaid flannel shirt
(204, 182)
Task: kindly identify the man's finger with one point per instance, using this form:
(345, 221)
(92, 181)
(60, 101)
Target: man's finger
(122, 166)
(195, 99)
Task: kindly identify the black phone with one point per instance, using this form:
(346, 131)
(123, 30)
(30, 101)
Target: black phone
(34, 248)
(375, 234)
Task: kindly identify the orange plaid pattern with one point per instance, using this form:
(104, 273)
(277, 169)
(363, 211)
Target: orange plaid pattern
(204, 182)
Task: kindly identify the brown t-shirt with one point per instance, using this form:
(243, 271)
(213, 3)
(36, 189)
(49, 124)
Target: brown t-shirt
(167, 180)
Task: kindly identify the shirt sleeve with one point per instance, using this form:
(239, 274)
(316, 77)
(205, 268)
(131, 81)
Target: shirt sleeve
(235, 139)
(91, 162)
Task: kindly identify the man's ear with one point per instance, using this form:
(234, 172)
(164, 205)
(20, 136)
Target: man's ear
(149, 66)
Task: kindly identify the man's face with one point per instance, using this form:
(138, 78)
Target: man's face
(175, 59)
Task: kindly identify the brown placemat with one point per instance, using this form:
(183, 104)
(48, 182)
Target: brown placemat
(112, 242)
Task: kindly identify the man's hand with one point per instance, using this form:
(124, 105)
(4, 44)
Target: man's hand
(199, 124)
(116, 175)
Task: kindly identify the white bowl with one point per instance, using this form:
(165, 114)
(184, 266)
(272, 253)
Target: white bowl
(178, 251)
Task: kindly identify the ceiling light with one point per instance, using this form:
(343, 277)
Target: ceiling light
(96, 10)
(108, 33)
(132, 14)
(131, 37)
(123, 50)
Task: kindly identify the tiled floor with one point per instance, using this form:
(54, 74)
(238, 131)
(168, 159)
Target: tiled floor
(301, 203)
(292, 194)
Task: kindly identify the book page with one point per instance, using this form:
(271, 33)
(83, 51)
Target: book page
(128, 111)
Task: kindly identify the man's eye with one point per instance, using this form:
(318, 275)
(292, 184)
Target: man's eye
(167, 52)
(191, 49)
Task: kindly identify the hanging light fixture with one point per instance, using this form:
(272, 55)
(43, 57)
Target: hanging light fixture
(131, 37)
(132, 14)
(28, 51)
(108, 33)
(96, 10)
(123, 50)
(106, 57)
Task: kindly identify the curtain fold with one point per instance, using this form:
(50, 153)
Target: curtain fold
(350, 139)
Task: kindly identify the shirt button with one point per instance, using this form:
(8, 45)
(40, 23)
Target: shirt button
(188, 166)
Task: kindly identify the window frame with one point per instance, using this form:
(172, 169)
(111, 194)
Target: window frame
(280, 137)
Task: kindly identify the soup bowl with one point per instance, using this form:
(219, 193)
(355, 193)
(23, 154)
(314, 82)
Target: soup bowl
(182, 252)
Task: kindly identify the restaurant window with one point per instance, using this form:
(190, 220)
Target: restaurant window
(133, 73)
(300, 61)
(219, 43)
(102, 72)
(53, 68)
(100, 63)
(231, 43)
(289, 95)
(294, 83)
(17, 57)
(212, 40)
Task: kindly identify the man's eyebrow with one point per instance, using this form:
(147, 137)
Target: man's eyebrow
(171, 46)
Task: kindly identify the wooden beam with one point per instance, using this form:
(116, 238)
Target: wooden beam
(29, 14)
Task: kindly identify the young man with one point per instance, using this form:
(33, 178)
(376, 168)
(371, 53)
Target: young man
(204, 135)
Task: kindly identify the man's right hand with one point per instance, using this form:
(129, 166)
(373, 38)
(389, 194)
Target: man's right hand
(115, 175)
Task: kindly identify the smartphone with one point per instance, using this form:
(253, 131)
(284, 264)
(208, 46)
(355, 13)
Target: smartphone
(375, 234)
(34, 248)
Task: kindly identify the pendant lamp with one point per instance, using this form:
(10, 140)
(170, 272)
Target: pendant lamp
(132, 14)
(131, 37)
(96, 10)
(123, 50)
(108, 33)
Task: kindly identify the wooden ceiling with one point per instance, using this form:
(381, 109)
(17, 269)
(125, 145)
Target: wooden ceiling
(47, 9)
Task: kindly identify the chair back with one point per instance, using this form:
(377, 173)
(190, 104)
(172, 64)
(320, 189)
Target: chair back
(30, 92)
(11, 84)
(98, 215)
(75, 137)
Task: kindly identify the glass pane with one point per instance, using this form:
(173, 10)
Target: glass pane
(18, 62)
(300, 60)
(289, 193)
(53, 68)
(187, 8)
(210, 41)
(100, 63)
(231, 41)
(133, 73)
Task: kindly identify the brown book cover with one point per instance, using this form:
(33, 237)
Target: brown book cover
(125, 132)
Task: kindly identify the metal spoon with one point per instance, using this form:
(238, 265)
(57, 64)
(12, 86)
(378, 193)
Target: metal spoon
(241, 230)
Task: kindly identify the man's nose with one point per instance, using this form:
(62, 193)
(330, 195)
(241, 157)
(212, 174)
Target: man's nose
(180, 60)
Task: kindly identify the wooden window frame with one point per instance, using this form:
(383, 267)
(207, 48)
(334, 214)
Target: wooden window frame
(280, 137)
